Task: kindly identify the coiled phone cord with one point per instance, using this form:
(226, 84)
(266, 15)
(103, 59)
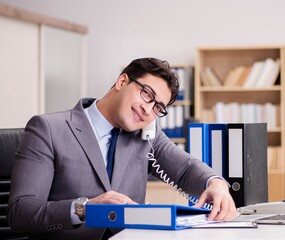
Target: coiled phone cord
(193, 200)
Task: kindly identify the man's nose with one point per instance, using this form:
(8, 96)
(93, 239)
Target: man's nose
(147, 107)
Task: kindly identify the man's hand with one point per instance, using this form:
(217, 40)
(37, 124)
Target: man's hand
(217, 193)
(111, 197)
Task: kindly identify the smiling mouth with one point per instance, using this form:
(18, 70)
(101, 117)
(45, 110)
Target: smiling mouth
(137, 116)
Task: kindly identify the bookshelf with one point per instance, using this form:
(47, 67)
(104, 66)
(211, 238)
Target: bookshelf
(213, 100)
(183, 107)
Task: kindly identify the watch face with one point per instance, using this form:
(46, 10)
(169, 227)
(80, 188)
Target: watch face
(80, 207)
(82, 200)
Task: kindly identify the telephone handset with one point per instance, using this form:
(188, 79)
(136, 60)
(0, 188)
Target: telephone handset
(149, 133)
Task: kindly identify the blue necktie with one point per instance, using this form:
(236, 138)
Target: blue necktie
(111, 152)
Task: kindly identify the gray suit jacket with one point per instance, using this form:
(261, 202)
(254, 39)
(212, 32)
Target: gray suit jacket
(59, 160)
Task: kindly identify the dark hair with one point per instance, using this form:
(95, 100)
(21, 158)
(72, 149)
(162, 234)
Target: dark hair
(138, 68)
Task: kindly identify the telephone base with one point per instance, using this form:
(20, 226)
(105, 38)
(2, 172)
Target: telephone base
(264, 208)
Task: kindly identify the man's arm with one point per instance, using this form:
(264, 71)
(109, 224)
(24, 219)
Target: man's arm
(29, 209)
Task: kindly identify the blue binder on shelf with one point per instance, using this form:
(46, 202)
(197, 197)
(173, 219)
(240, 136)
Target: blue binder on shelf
(208, 142)
(146, 216)
(171, 122)
(179, 121)
(218, 147)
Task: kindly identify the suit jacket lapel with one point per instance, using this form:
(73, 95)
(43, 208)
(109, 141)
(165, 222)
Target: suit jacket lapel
(80, 126)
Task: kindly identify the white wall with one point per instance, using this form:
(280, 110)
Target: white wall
(121, 30)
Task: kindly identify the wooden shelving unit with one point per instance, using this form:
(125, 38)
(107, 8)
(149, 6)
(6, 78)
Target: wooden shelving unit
(222, 60)
(161, 193)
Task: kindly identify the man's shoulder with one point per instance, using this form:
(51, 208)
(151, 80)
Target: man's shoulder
(49, 119)
(53, 115)
(65, 113)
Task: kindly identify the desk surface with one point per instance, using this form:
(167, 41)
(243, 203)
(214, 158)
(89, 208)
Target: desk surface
(262, 232)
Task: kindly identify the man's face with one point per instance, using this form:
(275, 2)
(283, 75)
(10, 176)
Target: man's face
(132, 112)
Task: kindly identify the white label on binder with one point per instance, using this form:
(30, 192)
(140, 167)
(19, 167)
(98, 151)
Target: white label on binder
(196, 144)
(148, 216)
(235, 153)
(217, 157)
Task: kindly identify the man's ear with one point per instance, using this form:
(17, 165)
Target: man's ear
(122, 80)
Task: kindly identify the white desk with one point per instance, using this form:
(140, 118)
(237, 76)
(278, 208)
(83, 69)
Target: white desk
(263, 232)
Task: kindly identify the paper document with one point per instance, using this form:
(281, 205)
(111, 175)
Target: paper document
(228, 224)
(192, 220)
(200, 221)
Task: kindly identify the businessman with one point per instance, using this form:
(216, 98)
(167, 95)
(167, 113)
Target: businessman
(62, 161)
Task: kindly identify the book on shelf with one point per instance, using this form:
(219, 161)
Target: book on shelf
(219, 112)
(182, 82)
(229, 77)
(186, 81)
(204, 79)
(173, 123)
(234, 76)
(272, 75)
(237, 75)
(243, 76)
(253, 75)
(179, 121)
(215, 81)
(263, 73)
(209, 78)
(163, 124)
(185, 95)
(259, 74)
(245, 112)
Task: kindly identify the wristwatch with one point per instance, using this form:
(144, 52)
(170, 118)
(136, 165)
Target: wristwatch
(80, 207)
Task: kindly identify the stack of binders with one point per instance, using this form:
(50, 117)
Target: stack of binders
(236, 151)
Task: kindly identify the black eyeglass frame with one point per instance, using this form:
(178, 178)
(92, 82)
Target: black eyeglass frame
(157, 105)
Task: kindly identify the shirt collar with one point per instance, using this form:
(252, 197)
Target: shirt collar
(99, 122)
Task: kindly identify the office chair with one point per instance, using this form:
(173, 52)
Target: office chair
(9, 140)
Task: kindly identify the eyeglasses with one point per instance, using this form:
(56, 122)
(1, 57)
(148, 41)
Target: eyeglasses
(148, 96)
